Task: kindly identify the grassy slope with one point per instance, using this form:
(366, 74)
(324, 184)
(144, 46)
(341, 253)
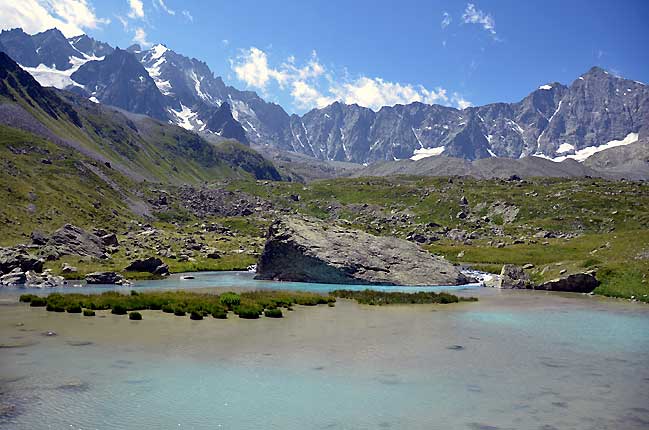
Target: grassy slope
(39, 196)
(610, 218)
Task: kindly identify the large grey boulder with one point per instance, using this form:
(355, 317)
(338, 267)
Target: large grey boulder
(306, 250)
(73, 240)
(18, 258)
(574, 283)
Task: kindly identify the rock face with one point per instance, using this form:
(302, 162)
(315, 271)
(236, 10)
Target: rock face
(104, 278)
(72, 240)
(305, 250)
(575, 283)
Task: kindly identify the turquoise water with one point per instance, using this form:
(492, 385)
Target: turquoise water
(228, 280)
(513, 360)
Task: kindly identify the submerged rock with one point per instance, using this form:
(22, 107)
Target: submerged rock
(306, 250)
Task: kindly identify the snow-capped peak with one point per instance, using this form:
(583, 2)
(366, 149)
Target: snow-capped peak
(158, 51)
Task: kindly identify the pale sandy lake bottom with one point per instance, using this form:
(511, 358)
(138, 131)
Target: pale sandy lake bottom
(513, 360)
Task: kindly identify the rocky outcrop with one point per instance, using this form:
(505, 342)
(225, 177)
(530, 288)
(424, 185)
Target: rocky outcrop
(105, 278)
(512, 276)
(515, 277)
(306, 250)
(72, 240)
(15, 277)
(574, 283)
(152, 265)
(18, 258)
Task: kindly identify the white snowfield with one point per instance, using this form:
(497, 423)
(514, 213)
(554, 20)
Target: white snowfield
(50, 76)
(565, 147)
(427, 152)
(545, 87)
(582, 154)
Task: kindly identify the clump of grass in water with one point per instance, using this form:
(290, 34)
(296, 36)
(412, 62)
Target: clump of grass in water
(248, 305)
(372, 297)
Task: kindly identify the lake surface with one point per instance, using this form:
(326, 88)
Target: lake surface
(513, 360)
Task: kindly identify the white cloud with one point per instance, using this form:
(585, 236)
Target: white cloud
(446, 20)
(313, 86)
(137, 9)
(164, 7)
(72, 17)
(188, 15)
(122, 21)
(460, 101)
(476, 16)
(140, 37)
(376, 92)
(252, 68)
(307, 97)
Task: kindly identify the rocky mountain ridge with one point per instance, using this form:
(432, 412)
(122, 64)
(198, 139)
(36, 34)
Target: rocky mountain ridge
(556, 121)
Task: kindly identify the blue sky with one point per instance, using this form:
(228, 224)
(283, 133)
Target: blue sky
(303, 54)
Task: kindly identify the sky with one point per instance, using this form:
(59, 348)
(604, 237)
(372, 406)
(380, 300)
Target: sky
(307, 54)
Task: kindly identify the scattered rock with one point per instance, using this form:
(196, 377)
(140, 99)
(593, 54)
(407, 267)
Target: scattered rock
(110, 239)
(66, 268)
(15, 277)
(38, 237)
(512, 276)
(18, 258)
(151, 264)
(44, 280)
(528, 266)
(306, 250)
(104, 278)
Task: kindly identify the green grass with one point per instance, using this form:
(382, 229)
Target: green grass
(372, 297)
(249, 305)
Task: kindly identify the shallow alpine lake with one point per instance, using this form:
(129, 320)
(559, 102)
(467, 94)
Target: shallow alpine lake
(513, 360)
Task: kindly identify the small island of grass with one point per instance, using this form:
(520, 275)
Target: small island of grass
(247, 305)
(372, 297)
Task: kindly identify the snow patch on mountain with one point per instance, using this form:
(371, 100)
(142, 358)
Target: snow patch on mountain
(184, 117)
(52, 77)
(565, 147)
(582, 154)
(545, 87)
(154, 71)
(420, 153)
(158, 51)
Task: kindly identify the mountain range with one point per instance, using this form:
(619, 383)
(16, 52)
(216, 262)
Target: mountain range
(597, 111)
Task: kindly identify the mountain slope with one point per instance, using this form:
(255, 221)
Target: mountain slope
(120, 80)
(136, 145)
